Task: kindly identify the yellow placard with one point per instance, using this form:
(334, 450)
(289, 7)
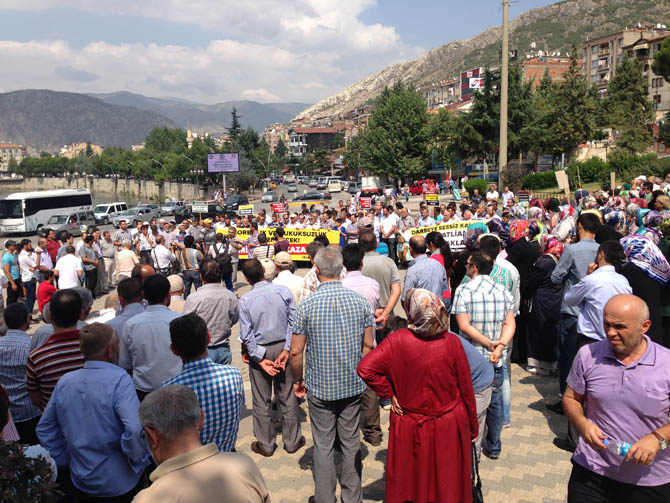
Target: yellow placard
(432, 199)
(298, 240)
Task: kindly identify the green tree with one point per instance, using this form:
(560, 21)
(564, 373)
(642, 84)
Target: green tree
(396, 141)
(661, 64)
(664, 130)
(89, 149)
(12, 165)
(539, 133)
(353, 154)
(629, 111)
(235, 128)
(280, 149)
(440, 129)
(338, 140)
(164, 139)
(575, 111)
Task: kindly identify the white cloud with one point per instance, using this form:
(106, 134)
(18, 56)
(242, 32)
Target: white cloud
(267, 50)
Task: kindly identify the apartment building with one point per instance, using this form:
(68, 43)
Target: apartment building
(304, 140)
(10, 151)
(441, 94)
(644, 49)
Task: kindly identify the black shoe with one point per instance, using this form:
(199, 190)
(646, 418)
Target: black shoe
(490, 456)
(565, 444)
(257, 449)
(556, 408)
(374, 442)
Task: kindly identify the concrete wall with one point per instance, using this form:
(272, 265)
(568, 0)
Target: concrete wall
(145, 190)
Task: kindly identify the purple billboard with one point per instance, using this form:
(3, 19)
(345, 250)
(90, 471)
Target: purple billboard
(223, 163)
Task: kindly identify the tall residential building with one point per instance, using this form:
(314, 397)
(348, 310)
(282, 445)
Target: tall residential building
(304, 140)
(441, 94)
(534, 69)
(10, 151)
(274, 133)
(644, 50)
(601, 55)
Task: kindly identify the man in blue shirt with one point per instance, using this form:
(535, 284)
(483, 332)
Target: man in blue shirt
(266, 326)
(218, 387)
(10, 266)
(91, 422)
(424, 272)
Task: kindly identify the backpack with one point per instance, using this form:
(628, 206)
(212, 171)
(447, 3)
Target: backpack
(223, 258)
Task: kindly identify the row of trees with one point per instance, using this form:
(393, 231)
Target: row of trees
(166, 156)
(545, 118)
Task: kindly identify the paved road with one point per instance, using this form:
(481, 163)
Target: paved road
(530, 469)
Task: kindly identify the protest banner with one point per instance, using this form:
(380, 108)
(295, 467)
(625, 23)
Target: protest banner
(298, 240)
(453, 232)
(199, 207)
(278, 207)
(247, 209)
(432, 199)
(366, 202)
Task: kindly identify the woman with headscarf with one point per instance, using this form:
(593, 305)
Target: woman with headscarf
(563, 222)
(545, 308)
(470, 242)
(648, 274)
(433, 420)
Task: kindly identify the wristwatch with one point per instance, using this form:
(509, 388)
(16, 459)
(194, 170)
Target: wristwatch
(661, 440)
(301, 380)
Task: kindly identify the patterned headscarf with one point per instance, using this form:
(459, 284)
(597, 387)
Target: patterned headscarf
(472, 235)
(518, 229)
(566, 211)
(616, 219)
(643, 252)
(427, 318)
(518, 211)
(497, 226)
(550, 245)
(652, 219)
(589, 203)
(535, 228)
(535, 213)
(617, 203)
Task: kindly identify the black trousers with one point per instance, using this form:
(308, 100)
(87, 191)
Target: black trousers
(14, 295)
(26, 430)
(91, 280)
(393, 252)
(588, 487)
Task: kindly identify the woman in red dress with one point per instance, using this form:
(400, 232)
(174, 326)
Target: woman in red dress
(434, 416)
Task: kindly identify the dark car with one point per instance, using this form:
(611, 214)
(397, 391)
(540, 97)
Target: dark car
(213, 209)
(313, 196)
(234, 202)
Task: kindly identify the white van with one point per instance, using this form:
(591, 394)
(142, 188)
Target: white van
(105, 212)
(334, 184)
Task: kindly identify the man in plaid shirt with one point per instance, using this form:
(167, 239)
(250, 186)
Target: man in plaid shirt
(485, 314)
(336, 326)
(218, 387)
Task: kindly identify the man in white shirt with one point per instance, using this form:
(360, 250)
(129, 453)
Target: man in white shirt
(145, 342)
(492, 194)
(293, 224)
(507, 195)
(69, 270)
(387, 227)
(162, 257)
(27, 271)
(285, 277)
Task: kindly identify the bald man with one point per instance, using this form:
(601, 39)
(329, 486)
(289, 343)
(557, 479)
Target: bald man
(619, 390)
(423, 272)
(92, 420)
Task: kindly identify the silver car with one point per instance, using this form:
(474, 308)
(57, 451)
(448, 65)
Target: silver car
(171, 207)
(269, 197)
(134, 215)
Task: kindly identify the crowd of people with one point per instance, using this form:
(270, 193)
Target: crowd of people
(142, 402)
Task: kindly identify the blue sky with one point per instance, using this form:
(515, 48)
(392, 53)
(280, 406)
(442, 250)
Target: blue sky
(218, 50)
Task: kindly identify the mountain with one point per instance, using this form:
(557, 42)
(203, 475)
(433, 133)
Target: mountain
(553, 27)
(47, 120)
(208, 118)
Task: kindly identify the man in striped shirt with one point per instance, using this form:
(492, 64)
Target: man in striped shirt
(60, 354)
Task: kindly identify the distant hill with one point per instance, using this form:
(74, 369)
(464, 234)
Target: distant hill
(553, 27)
(47, 120)
(208, 118)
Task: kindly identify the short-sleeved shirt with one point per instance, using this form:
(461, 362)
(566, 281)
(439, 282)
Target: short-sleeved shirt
(11, 260)
(626, 402)
(55, 358)
(487, 304)
(88, 252)
(333, 319)
(67, 267)
(384, 271)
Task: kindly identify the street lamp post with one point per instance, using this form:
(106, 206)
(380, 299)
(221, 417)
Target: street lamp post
(196, 172)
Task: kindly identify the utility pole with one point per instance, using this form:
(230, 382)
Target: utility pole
(504, 86)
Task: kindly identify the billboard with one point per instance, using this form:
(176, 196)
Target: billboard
(223, 163)
(471, 80)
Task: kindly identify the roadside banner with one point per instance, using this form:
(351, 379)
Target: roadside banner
(278, 207)
(366, 202)
(199, 207)
(247, 209)
(432, 199)
(298, 240)
(453, 232)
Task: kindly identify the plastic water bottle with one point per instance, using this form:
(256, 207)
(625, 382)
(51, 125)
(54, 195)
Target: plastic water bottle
(618, 448)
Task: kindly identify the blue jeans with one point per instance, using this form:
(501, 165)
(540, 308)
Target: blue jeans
(494, 415)
(228, 278)
(31, 287)
(191, 278)
(507, 387)
(567, 347)
(221, 354)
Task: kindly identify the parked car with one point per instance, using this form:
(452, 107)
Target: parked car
(334, 185)
(292, 187)
(303, 180)
(312, 182)
(417, 187)
(321, 185)
(313, 196)
(234, 202)
(269, 197)
(354, 187)
(213, 209)
(134, 215)
(105, 212)
(171, 207)
(70, 222)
